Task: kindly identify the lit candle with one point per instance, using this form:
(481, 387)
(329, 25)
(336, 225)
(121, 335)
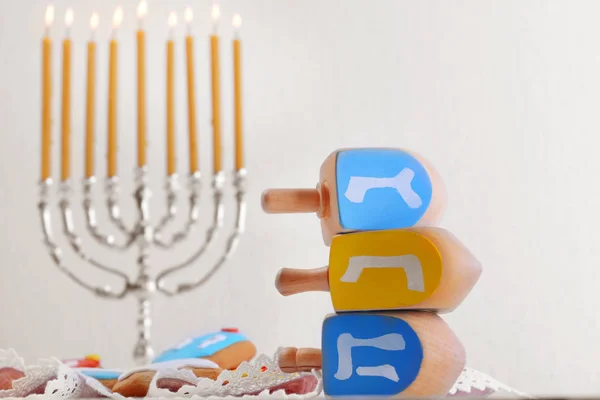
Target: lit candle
(66, 100)
(216, 91)
(142, 10)
(170, 97)
(112, 97)
(90, 103)
(189, 51)
(47, 96)
(237, 93)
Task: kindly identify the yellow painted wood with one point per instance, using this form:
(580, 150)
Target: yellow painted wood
(371, 270)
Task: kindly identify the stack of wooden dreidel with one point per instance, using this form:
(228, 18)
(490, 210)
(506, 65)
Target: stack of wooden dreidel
(390, 273)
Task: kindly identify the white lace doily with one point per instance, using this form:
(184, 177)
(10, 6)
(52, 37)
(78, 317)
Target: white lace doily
(250, 379)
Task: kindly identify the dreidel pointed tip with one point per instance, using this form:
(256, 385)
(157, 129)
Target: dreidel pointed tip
(280, 201)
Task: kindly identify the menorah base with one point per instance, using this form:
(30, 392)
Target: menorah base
(143, 352)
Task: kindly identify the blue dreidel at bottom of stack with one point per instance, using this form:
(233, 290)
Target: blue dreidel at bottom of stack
(389, 355)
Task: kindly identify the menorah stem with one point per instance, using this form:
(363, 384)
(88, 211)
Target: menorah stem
(145, 286)
(143, 352)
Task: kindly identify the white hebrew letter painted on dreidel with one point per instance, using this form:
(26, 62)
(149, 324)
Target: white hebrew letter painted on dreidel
(409, 263)
(359, 186)
(346, 342)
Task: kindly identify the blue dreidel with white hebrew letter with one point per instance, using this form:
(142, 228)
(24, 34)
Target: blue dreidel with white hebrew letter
(412, 354)
(367, 189)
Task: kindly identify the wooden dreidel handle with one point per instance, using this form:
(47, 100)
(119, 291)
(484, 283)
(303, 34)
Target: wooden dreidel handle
(291, 281)
(367, 189)
(291, 359)
(401, 354)
(402, 269)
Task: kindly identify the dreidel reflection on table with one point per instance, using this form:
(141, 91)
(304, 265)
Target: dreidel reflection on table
(414, 268)
(367, 189)
(389, 354)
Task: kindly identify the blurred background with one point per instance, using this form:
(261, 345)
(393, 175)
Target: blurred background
(501, 96)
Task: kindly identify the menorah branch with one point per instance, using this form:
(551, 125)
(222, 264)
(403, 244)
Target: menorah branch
(74, 239)
(112, 203)
(56, 253)
(232, 241)
(92, 224)
(193, 215)
(171, 189)
(211, 234)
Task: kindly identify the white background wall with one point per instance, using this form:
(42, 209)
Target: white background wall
(502, 96)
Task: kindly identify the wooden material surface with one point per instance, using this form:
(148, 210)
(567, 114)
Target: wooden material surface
(324, 200)
(442, 363)
(444, 267)
(292, 359)
(293, 281)
(280, 201)
(330, 223)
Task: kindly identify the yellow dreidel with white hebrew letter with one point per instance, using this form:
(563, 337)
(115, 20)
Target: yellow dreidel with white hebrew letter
(415, 268)
(367, 189)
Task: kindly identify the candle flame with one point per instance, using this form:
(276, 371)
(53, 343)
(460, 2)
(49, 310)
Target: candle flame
(69, 17)
(118, 17)
(94, 21)
(237, 21)
(49, 15)
(173, 19)
(142, 9)
(215, 12)
(189, 15)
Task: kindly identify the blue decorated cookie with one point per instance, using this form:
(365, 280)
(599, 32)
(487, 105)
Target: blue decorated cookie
(227, 348)
(108, 377)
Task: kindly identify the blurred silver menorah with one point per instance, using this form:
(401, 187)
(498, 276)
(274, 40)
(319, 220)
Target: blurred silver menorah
(142, 235)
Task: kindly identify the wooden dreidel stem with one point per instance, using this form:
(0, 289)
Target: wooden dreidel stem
(402, 269)
(292, 359)
(367, 189)
(286, 201)
(399, 354)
